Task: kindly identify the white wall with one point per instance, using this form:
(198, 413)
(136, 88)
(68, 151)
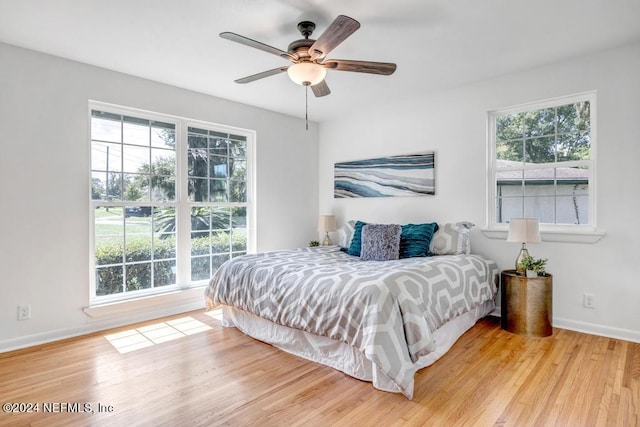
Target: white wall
(44, 192)
(454, 124)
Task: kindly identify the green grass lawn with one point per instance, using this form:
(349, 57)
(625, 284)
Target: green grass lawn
(108, 212)
(110, 226)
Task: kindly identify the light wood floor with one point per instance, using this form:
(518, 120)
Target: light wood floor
(220, 376)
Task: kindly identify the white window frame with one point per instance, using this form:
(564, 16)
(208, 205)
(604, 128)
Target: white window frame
(182, 203)
(551, 232)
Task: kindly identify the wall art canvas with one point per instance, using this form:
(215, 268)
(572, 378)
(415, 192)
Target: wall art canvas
(410, 175)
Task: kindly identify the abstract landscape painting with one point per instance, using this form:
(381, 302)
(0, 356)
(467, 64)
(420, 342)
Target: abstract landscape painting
(410, 175)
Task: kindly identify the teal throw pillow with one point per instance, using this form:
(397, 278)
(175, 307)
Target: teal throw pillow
(355, 247)
(415, 239)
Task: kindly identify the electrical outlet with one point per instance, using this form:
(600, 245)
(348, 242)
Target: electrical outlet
(24, 312)
(588, 300)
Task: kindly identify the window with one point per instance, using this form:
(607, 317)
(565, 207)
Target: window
(170, 201)
(541, 162)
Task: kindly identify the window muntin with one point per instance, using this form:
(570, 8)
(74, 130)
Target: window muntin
(542, 162)
(137, 205)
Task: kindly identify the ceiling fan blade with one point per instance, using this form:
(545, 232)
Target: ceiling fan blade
(341, 28)
(261, 75)
(383, 68)
(258, 45)
(321, 89)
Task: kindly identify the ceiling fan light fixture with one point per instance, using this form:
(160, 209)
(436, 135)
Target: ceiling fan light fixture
(306, 73)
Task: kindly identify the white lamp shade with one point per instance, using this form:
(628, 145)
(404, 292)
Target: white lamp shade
(524, 230)
(326, 223)
(306, 73)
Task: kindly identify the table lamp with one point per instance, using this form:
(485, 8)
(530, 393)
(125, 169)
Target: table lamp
(326, 224)
(523, 230)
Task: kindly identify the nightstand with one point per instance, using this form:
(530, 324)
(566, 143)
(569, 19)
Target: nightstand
(526, 304)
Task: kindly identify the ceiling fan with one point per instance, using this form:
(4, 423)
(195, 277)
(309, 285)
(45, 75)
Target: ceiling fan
(308, 55)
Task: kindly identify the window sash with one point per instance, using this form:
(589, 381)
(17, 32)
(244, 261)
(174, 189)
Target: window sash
(495, 168)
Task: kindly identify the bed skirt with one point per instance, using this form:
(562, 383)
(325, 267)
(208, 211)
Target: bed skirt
(342, 356)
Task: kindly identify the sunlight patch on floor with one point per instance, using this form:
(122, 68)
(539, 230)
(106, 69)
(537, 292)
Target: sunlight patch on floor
(215, 314)
(157, 333)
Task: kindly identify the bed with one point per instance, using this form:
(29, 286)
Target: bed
(378, 321)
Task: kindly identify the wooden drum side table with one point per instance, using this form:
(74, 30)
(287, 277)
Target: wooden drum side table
(526, 304)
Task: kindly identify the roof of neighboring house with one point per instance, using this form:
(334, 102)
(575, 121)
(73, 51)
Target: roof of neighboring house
(566, 174)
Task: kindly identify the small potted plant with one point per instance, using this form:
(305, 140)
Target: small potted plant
(314, 243)
(533, 267)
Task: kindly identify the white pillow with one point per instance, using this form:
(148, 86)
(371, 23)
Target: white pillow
(346, 233)
(452, 239)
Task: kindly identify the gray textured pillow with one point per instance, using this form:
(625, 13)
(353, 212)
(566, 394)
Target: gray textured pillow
(380, 242)
(452, 239)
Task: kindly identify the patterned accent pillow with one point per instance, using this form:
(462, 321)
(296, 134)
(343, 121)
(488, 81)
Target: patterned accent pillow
(452, 239)
(415, 239)
(346, 233)
(356, 241)
(380, 242)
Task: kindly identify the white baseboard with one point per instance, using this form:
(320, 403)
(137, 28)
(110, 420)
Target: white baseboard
(595, 329)
(100, 325)
(590, 328)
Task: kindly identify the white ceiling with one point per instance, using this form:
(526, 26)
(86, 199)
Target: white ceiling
(437, 44)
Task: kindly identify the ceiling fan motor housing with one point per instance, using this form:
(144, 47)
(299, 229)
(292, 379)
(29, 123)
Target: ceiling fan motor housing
(301, 48)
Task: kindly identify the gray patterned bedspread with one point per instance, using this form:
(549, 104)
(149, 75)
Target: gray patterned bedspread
(387, 309)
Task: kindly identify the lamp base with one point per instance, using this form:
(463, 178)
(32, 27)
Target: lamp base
(521, 256)
(327, 240)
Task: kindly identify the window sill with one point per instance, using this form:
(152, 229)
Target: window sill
(189, 299)
(552, 235)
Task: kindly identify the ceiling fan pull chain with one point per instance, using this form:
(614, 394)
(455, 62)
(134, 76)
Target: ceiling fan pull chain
(306, 107)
